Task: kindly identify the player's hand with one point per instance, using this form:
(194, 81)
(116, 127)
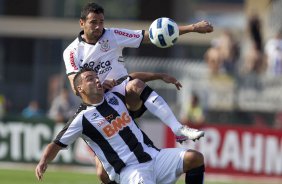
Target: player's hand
(40, 170)
(170, 79)
(109, 84)
(203, 27)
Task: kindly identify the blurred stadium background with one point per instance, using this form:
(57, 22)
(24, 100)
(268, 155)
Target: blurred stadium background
(242, 107)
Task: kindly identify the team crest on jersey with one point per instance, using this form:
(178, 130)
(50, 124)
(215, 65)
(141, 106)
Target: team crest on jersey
(105, 46)
(113, 101)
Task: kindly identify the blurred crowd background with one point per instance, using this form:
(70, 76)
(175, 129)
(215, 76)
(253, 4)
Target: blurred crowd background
(233, 75)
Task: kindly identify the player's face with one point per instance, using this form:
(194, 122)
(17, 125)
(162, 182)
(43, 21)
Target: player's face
(93, 26)
(91, 85)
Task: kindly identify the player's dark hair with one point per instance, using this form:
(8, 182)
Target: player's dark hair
(77, 79)
(91, 8)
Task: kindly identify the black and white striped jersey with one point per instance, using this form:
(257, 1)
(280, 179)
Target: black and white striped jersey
(111, 132)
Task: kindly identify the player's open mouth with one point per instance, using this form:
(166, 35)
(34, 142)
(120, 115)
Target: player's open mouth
(99, 86)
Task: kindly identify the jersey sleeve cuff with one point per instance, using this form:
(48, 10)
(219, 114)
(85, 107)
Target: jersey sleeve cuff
(60, 144)
(71, 73)
(143, 34)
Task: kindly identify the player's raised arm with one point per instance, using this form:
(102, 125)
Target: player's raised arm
(150, 76)
(48, 155)
(70, 77)
(199, 27)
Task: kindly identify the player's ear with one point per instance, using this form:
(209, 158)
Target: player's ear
(81, 23)
(79, 89)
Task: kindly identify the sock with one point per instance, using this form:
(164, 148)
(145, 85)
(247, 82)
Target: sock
(112, 182)
(158, 107)
(195, 176)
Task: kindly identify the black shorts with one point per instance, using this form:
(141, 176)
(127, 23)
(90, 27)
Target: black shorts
(139, 112)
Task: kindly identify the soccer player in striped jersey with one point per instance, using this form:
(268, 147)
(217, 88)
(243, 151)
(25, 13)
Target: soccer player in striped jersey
(100, 49)
(127, 154)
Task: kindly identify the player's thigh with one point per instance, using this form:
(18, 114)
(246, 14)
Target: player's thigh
(101, 173)
(133, 101)
(99, 166)
(169, 165)
(139, 173)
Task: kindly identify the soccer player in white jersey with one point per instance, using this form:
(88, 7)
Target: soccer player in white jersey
(100, 49)
(127, 154)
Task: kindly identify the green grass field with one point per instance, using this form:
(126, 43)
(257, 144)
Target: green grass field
(9, 176)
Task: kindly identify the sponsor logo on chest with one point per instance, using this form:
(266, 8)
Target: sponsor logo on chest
(100, 68)
(117, 124)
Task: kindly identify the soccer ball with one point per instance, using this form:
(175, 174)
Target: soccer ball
(163, 32)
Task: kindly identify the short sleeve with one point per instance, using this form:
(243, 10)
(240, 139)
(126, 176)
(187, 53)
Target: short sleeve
(128, 38)
(71, 131)
(71, 61)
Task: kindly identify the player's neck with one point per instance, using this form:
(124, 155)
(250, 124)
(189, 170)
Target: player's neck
(94, 100)
(90, 41)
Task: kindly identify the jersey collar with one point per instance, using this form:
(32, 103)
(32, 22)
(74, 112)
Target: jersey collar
(95, 105)
(80, 39)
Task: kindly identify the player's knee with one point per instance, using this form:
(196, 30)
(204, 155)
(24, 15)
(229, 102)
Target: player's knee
(133, 91)
(193, 159)
(135, 86)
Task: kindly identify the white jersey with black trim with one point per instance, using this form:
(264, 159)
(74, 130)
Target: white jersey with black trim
(105, 57)
(111, 132)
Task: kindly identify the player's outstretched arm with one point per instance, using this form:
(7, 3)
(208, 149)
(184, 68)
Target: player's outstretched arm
(150, 76)
(199, 27)
(70, 77)
(48, 155)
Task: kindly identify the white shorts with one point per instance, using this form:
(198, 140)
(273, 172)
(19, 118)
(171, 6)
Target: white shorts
(166, 168)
